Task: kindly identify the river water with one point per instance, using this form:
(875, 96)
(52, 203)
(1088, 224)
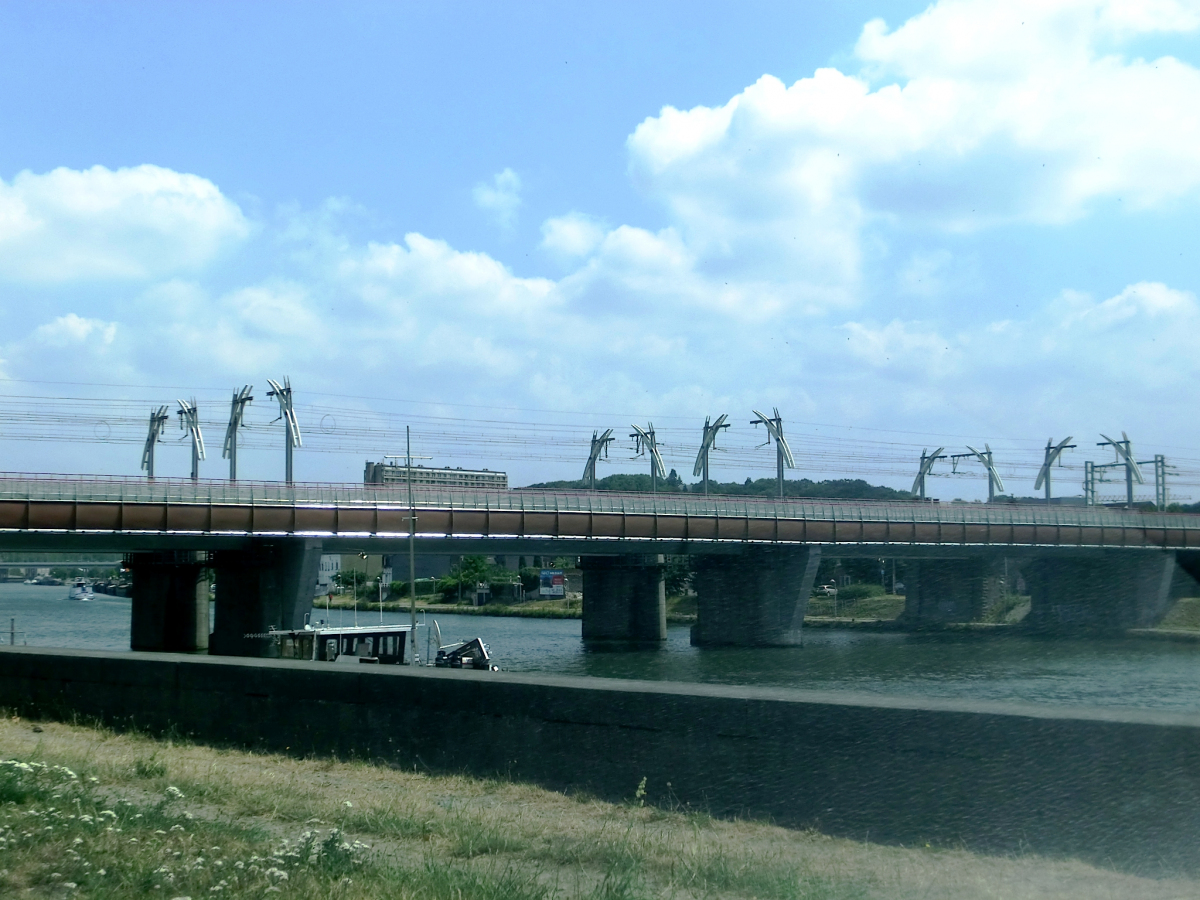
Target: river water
(1111, 673)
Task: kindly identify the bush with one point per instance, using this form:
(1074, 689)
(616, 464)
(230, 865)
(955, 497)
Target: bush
(678, 576)
(860, 592)
(531, 578)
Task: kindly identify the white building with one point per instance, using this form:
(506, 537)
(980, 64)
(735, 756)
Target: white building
(387, 473)
(331, 564)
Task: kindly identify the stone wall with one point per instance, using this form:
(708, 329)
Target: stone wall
(1120, 789)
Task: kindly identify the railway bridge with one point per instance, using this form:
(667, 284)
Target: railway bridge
(1088, 568)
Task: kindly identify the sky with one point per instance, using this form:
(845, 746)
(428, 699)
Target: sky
(905, 226)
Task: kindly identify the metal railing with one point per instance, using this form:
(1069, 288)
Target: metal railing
(77, 488)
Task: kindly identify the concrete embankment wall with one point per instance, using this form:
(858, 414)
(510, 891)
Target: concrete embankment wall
(1119, 789)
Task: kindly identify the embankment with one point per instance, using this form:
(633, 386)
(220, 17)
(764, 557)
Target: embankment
(1119, 788)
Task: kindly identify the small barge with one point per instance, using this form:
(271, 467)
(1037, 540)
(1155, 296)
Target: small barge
(382, 644)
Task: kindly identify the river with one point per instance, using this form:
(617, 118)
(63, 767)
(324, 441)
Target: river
(1108, 673)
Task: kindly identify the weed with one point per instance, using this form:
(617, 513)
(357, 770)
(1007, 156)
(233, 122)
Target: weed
(471, 838)
(149, 766)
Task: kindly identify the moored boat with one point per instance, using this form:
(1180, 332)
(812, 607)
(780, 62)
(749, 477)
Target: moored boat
(386, 644)
(81, 590)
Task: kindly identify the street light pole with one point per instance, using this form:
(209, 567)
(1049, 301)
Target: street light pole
(412, 544)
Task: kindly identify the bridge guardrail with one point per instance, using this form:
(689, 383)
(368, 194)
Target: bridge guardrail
(77, 488)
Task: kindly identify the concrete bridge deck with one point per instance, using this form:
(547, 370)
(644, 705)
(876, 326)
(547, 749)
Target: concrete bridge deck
(94, 513)
(755, 558)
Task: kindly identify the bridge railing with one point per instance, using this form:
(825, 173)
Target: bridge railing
(79, 488)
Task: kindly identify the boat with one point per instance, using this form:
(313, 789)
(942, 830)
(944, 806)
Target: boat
(81, 590)
(374, 644)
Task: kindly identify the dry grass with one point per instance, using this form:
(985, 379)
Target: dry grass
(445, 836)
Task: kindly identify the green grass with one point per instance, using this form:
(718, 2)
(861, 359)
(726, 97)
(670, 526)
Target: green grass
(59, 831)
(1007, 609)
(882, 606)
(1184, 614)
(125, 816)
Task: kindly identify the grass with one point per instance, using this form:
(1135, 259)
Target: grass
(86, 812)
(882, 606)
(1009, 609)
(1184, 614)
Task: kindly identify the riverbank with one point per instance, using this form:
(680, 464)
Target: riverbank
(126, 816)
(870, 614)
(677, 613)
(532, 609)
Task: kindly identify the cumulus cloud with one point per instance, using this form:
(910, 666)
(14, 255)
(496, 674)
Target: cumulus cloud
(969, 115)
(819, 250)
(70, 330)
(1072, 354)
(571, 236)
(99, 224)
(501, 198)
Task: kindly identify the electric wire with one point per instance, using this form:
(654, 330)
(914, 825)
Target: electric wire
(493, 440)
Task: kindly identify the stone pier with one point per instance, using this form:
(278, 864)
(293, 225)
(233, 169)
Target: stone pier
(169, 601)
(951, 590)
(1104, 591)
(269, 584)
(756, 598)
(624, 600)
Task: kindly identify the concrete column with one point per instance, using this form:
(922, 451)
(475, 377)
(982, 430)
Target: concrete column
(169, 601)
(624, 599)
(268, 584)
(950, 590)
(1107, 591)
(754, 599)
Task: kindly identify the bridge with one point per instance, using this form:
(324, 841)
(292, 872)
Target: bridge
(756, 558)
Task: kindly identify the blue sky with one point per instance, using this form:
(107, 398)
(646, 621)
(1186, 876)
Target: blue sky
(904, 225)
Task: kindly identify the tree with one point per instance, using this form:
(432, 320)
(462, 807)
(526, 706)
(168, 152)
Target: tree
(677, 575)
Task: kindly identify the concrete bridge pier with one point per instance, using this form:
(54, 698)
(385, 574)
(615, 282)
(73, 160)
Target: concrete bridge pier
(1110, 590)
(757, 598)
(268, 584)
(169, 601)
(624, 600)
(951, 590)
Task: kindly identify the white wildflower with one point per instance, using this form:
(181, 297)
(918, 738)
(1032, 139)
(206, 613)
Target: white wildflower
(174, 793)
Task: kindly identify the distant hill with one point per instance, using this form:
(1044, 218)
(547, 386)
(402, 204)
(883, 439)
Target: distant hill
(840, 488)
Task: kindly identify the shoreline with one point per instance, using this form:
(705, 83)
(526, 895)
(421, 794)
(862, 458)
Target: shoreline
(530, 611)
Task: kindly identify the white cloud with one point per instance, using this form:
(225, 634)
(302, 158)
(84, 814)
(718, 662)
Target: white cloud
(904, 346)
(279, 310)
(1073, 354)
(501, 198)
(971, 114)
(72, 330)
(423, 271)
(136, 223)
(571, 236)
(785, 207)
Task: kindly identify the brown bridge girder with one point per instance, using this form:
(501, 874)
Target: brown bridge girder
(380, 520)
